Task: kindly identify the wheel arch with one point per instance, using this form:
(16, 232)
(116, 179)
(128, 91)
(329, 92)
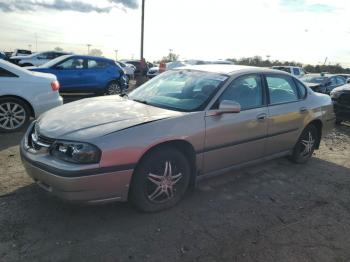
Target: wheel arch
(32, 112)
(184, 147)
(318, 124)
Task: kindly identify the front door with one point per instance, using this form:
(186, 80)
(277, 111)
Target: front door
(237, 137)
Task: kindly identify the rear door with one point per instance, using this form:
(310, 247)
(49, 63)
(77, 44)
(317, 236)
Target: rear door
(287, 112)
(99, 73)
(237, 137)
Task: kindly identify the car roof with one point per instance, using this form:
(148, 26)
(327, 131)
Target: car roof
(230, 69)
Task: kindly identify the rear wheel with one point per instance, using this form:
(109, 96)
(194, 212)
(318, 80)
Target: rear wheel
(161, 180)
(305, 146)
(14, 114)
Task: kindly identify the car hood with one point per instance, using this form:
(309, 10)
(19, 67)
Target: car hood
(342, 88)
(94, 117)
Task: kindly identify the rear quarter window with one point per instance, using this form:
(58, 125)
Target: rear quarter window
(301, 89)
(6, 73)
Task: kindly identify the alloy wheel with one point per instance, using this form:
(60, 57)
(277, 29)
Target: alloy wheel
(113, 89)
(307, 145)
(163, 186)
(12, 115)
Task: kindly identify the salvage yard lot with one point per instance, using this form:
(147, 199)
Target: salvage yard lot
(276, 211)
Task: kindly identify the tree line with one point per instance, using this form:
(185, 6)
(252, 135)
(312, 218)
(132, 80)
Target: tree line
(260, 62)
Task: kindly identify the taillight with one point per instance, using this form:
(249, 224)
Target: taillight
(55, 85)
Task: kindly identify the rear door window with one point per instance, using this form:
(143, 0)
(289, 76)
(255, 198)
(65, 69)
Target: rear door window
(96, 64)
(281, 89)
(6, 73)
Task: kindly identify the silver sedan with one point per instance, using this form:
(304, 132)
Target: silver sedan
(189, 123)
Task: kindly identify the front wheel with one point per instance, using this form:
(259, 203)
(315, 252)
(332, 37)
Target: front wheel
(305, 146)
(160, 180)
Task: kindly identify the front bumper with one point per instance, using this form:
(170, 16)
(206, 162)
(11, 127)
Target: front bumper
(88, 186)
(342, 111)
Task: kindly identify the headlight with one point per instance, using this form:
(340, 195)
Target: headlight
(335, 94)
(75, 152)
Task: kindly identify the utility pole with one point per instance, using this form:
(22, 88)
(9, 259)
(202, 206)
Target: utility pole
(142, 27)
(36, 42)
(88, 46)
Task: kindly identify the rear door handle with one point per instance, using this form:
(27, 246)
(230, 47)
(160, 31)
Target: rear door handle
(261, 117)
(303, 109)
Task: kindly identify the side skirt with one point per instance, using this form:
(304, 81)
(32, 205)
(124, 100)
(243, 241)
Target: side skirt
(242, 165)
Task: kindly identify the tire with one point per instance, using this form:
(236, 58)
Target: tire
(151, 190)
(305, 146)
(14, 114)
(113, 88)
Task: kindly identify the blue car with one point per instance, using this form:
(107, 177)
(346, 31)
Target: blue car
(86, 74)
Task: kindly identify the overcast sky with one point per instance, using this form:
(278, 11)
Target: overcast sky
(302, 30)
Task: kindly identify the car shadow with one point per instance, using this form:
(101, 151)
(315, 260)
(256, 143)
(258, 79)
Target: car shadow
(237, 213)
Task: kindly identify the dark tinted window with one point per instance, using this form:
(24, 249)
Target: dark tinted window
(281, 89)
(246, 90)
(96, 64)
(5, 73)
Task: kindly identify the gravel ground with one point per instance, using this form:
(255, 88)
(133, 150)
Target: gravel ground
(276, 211)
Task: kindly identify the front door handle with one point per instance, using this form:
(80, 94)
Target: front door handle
(303, 109)
(261, 117)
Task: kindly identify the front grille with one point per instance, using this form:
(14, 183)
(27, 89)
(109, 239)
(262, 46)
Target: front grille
(37, 141)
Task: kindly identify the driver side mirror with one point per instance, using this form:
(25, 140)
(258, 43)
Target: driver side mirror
(348, 81)
(227, 107)
(59, 67)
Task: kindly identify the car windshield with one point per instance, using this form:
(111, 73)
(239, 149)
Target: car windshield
(54, 61)
(313, 79)
(180, 90)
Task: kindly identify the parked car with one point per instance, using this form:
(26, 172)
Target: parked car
(82, 74)
(36, 59)
(129, 69)
(293, 70)
(154, 71)
(3, 56)
(21, 52)
(24, 94)
(137, 64)
(347, 77)
(323, 83)
(154, 144)
(341, 100)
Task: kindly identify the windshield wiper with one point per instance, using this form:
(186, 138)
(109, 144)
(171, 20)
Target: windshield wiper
(141, 101)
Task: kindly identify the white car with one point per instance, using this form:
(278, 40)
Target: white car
(154, 71)
(25, 94)
(36, 59)
(293, 70)
(129, 69)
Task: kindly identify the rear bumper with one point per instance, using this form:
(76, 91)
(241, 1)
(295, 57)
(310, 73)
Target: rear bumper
(83, 186)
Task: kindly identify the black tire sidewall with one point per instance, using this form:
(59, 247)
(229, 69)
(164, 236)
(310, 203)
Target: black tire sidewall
(138, 192)
(296, 156)
(22, 104)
